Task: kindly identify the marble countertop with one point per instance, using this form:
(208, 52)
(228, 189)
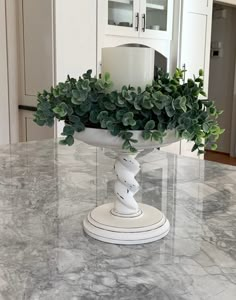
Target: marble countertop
(45, 192)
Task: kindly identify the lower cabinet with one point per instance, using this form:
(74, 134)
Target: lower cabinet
(30, 131)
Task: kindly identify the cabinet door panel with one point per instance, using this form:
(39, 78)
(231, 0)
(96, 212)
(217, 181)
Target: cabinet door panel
(30, 131)
(37, 45)
(37, 133)
(199, 5)
(120, 13)
(75, 39)
(196, 38)
(193, 43)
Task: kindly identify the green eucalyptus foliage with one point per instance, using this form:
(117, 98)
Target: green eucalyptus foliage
(169, 103)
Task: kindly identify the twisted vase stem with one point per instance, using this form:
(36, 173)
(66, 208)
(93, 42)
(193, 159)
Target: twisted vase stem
(126, 186)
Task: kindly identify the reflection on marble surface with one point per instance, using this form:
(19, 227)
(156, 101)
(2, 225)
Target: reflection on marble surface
(46, 190)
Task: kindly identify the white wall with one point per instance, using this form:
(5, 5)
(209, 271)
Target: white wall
(222, 69)
(4, 106)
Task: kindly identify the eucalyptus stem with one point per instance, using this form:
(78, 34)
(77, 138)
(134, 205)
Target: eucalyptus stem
(168, 103)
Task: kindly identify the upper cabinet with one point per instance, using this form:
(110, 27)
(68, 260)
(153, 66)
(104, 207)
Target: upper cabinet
(138, 18)
(156, 19)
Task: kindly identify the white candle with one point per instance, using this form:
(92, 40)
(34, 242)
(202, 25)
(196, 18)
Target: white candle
(128, 65)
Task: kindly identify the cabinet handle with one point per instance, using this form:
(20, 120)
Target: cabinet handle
(144, 22)
(184, 68)
(137, 21)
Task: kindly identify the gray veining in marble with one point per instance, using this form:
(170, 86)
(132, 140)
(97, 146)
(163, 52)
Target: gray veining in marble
(47, 189)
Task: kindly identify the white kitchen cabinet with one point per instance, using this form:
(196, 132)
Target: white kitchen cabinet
(36, 63)
(137, 18)
(56, 40)
(9, 72)
(75, 38)
(4, 97)
(196, 38)
(194, 48)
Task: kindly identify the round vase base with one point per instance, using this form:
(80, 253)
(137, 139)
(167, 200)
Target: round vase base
(151, 225)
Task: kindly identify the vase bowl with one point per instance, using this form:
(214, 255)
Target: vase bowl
(103, 138)
(125, 221)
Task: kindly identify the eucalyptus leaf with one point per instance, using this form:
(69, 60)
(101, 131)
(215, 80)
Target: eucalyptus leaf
(150, 125)
(61, 109)
(170, 111)
(157, 136)
(146, 135)
(68, 130)
(69, 140)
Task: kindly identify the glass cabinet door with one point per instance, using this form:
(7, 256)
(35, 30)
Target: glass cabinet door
(123, 17)
(138, 18)
(156, 17)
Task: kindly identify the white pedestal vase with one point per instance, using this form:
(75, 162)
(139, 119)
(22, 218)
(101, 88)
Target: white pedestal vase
(125, 221)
